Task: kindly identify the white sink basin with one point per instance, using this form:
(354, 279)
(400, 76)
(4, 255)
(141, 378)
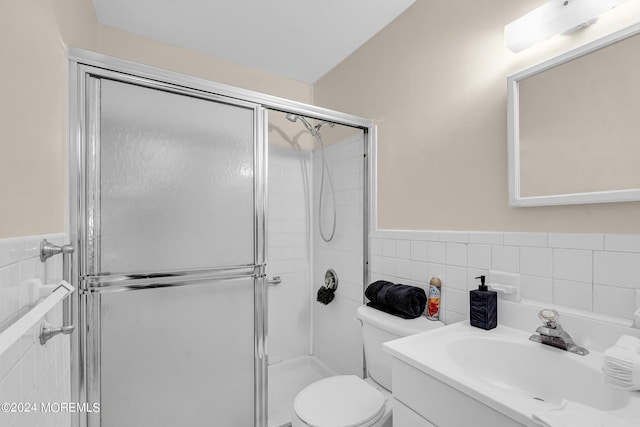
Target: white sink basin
(534, 371)
(504, 370)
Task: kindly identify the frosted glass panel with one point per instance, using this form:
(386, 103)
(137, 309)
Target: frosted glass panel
(181, 356)
(176, 181)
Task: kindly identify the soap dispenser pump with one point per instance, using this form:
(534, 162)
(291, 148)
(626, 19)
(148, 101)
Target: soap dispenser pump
(483, 305)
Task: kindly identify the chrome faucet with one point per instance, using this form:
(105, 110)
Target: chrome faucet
(551, 333)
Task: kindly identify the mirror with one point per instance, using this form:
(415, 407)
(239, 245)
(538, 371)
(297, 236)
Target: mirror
(574, 126)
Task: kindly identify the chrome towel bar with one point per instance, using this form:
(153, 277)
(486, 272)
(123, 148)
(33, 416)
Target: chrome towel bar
(14, 332)
(47, 250)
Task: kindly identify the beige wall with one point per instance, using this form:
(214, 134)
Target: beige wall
(34, 36)
(32, 120)
(434, 81)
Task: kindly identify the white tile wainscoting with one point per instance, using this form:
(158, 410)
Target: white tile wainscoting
(598, 273)
(30, 372)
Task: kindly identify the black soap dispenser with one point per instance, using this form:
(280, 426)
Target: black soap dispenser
(483, 305)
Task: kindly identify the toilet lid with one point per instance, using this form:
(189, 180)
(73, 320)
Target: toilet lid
(341, 401)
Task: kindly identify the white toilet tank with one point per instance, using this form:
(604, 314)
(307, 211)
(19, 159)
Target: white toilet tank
(379, 327)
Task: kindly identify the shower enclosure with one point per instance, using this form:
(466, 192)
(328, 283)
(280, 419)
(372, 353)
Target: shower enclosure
(316, 222)
(197, 265)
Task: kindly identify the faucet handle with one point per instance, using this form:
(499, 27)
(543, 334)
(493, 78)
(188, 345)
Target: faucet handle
(549, 317)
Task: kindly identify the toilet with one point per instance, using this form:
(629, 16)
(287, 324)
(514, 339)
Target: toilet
(348, 400)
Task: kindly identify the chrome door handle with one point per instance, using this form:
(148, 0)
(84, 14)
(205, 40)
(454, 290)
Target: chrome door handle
(275, 280)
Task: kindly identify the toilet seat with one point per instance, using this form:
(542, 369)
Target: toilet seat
(340, 401)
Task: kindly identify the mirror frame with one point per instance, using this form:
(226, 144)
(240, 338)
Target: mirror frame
(513, 129)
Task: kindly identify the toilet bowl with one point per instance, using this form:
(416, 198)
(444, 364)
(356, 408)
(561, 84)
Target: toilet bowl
(348, 400)
(341, 401)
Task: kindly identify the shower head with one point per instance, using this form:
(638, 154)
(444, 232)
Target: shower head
(294, 117)
(319, 125)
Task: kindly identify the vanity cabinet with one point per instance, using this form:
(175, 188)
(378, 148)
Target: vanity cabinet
(404, 416)
(424, 401)
(461, 376)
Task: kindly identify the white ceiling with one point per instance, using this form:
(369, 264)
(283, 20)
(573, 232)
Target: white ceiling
(298, 39)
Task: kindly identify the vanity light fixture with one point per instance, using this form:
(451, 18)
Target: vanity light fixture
(552, 18)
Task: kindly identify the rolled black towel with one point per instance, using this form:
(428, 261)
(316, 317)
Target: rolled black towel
(325, 295)
(403, 301)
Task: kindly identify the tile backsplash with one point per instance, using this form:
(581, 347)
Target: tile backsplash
(30, 372)
(598, 273)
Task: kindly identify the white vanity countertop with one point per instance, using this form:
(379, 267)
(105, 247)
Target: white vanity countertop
(504, 370)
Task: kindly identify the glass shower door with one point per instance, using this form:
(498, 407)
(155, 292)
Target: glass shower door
(172, 259)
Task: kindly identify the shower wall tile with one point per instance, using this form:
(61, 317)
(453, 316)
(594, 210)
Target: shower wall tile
(9, 292)
(289, 254)
(376, 247)
(389, 266)
(403, 249)
(505, 258)
(342, 351)
(536, 261)
(479, 256)
(456, 277)
(419, 271)
(603, 279)
(617, 269)
(486, 237)
(614, 301)
(536, 288)
(426, 235)
(418, 250)
(573, 294)
(389, 248)
(622, 242)
(456, 254)
(526, 239)
(403, 268)
(437, 252)
(337, 336)
(454, 236)
(456, 301)
(376, 264)
(29, 371)
(290, 336)
(576, 241)
(572, 264)
(453, 317)
(12, 250)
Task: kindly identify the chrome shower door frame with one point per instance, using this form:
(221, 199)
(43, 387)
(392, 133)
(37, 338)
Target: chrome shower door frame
(83, 63)
(84, 200)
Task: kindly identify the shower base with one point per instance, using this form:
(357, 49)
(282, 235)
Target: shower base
(286, 379)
